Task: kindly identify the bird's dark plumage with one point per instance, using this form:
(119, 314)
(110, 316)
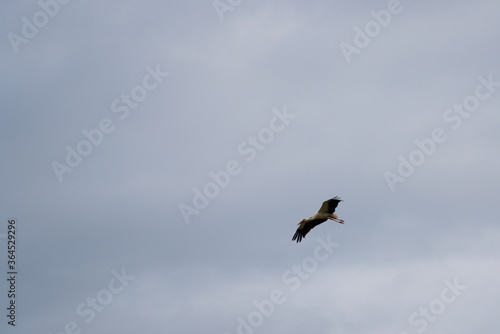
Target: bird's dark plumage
(325, 212)
(301, 232)
(330, 205)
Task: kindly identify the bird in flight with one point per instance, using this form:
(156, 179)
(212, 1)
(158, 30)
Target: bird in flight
(325, 212)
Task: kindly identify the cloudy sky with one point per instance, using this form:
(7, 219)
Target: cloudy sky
(156, 157)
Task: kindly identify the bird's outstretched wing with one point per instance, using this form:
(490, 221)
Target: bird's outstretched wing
(330, 205)
(304, 228)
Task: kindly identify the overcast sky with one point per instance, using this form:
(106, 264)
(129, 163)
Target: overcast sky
(157, 156)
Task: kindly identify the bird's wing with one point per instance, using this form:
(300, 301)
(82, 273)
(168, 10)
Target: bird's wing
(305, 228)
(330, 205)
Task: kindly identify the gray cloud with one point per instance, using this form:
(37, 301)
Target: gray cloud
(119, 208)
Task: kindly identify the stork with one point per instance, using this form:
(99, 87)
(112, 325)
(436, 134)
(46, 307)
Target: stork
(325, 212)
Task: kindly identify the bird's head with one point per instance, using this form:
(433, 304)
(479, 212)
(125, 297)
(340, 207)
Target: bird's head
(301, 222)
